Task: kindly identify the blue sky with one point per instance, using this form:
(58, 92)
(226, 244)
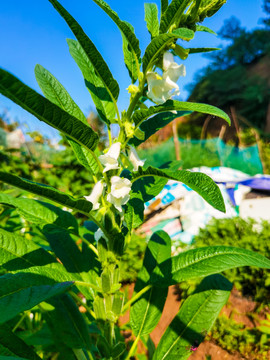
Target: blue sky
(33, 33)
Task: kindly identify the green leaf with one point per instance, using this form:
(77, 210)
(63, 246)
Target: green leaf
(82, 262)
(181, 52)
(48, 192)
(54, 91)
(159, 43)
(18, 253)
(155, 123)
(45, 111)
(141, 115)
(41, 213)
(14, 345)
(22, 291)
(91, 51)
(151, 18)
(198, 182)
(201, 50)
(143, 190)
(57, 94)
(35, 275)
(124, 28)
(205, 261)
(129, 58)
(194, 320)
(164, 5)
(99, 93)
(66, 250)
(67, 323)
(11, 358)
(146, 311)
(205, 29)
(173, 14)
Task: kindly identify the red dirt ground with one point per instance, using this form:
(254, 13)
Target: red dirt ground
(237, 308)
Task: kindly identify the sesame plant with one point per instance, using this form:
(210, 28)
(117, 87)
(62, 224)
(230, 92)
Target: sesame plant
(60, 286)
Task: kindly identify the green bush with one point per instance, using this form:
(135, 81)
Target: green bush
(245, 234)
(131, 261)
(234, 337)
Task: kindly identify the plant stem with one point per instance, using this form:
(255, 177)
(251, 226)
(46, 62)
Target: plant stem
(80, 355)
(82, 283)
(136, 98)
(91, 246)
(109, 134)
(112, 334)
(136, 297)
(133, 348)
(79, 300)
(20, 321)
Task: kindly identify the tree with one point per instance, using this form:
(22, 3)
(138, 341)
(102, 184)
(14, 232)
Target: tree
(239, 75)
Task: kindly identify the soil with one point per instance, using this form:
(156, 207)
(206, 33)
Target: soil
(238, 308)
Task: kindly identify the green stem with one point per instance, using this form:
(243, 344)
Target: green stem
(133, 347)
(80, 355)
(91, 246)
(109, 134)
(82, 283)
(136, 297)
(79, 300)
(112, 334)
(133, 104)
(20, 321)
(116, 109)
(136, 98)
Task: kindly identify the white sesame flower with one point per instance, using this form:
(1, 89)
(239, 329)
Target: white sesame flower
(110, 159)
(134, 158)
(171, 68)
(161, 89)
(95, 195)
(120, 189)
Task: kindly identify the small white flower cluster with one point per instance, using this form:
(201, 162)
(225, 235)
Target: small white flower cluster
(120, 187)
(161, 89)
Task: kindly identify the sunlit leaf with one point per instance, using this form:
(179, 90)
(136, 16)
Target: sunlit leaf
(67, 323)
(205, 29)
(91, 51)
(205, 261)
(155, 123)
(46, 191)
(129, 58)
(194, 319)
(151, 18)
(22, 291)
(198, 182)
(99, 93)
(140, 115)
(164, 5)
(57, 94)
(124, 28)
(159, 43)
(201, 50)
(146, 311)
(46, 111)
(173, 14)
(41, 213)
